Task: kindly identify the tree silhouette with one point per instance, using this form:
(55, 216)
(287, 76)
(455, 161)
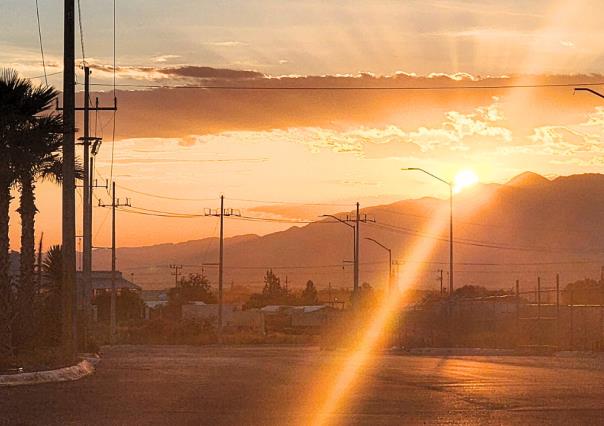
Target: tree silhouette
(309, 295)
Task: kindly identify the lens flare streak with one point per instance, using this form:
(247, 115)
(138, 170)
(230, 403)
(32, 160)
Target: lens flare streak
(349, 372)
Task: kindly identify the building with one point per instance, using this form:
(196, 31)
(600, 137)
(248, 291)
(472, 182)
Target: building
(232, 318)
(308, 318)
(101, 282)
(155, 301)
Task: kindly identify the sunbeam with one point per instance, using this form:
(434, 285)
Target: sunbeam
(348, 376)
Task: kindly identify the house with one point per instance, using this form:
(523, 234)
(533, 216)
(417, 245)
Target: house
(101, 282)
(232, 318)
(155, 301)
(200, 311)
(309, 317)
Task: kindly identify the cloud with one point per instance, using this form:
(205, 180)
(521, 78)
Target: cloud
(177, 72)
(164, 58)
(428, 118)
(224, 43)
(210, 73)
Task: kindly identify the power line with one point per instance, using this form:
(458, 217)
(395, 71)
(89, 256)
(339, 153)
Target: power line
(244, 200)
(488, 225)
(41, 45)
(292, 202)
(81, 33)
(252, 267)
(269, 219)
(484, 244)
(352, 88)
(44, 75)
(165, 197)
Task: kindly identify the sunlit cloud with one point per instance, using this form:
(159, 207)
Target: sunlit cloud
(164, 58)
(228, 43)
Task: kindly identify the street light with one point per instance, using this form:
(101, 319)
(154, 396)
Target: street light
(389, 261)
(587, 89)
(356, 257)
(451, 187)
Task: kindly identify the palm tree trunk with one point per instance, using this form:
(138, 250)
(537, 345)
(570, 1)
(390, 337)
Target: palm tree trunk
(6, 349)
(27, 289)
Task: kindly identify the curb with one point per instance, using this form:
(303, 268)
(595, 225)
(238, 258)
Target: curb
(75, 372)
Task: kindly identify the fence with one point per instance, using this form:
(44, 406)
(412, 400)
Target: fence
(536, 319)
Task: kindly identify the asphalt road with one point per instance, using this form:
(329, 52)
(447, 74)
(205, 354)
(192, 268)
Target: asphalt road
(145, 385)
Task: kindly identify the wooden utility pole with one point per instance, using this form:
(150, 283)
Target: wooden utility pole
(68, 294)
(220, 268)
(517, 309)
(89, 184)
(440, 278)
(221, 213)
(113, 311)
(83, 295)
(176, 273)
(558, 309)
(357, 235)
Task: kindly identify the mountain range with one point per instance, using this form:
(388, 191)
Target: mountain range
(529, 227)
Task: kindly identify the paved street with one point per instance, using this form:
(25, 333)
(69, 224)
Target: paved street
(267, 385)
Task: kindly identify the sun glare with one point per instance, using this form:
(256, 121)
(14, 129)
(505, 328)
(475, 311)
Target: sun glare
(350, 373)
(463, 179)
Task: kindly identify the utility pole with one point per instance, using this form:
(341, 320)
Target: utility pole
(68, 294)
(84, 293)
(357, 248)
(89, 185)
(221, 214)
(176, 272)
(357, 235)
(440, 278)
(113, 313)
(451, 240)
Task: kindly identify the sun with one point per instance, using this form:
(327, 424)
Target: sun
(463, 179)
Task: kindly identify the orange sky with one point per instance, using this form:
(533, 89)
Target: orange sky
(332, 148)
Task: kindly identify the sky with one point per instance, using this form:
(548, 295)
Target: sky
(280, 152)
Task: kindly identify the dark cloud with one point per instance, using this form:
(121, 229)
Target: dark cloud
(181, 112)
(210, 73)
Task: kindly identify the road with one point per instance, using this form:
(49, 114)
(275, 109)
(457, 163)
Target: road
(148, 385)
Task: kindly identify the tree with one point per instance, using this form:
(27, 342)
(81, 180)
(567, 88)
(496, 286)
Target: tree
(309, 295)
(129, 305)
(584, 292)
(20, 104)
(48, 305)
(37, 158)
(272, 293)
(194, 288)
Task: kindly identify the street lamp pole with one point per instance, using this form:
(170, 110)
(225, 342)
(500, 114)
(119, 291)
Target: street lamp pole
(389, 261)
(587, 89)
(450, 184)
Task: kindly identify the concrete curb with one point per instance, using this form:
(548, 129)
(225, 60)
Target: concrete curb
(75, 372)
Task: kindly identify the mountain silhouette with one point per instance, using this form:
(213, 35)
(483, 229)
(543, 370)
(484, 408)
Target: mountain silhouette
(527, 228)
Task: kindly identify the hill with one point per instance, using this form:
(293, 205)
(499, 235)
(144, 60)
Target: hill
(529, 227)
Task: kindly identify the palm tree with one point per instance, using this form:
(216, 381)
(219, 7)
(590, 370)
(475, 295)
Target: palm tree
(37, 158)
(49, 298)
(20, 104)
